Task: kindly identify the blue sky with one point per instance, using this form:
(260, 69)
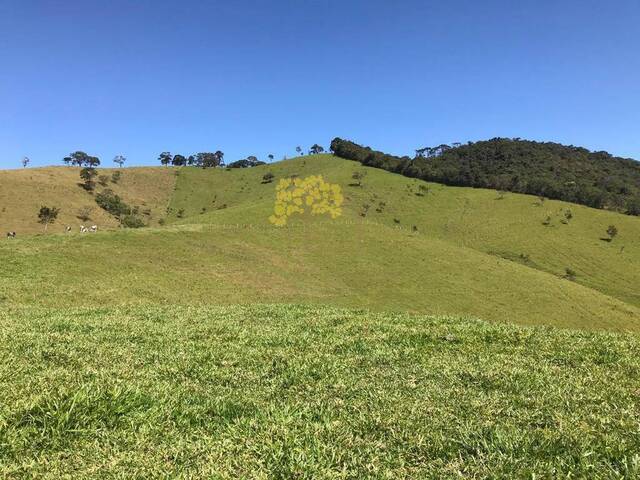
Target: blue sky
(259, 77)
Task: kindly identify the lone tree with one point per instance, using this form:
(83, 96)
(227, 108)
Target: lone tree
(81, 159)
(119, 160)
(165, 158)
(299, 150)
(270, 157)
(25, 161)
(315, 149)
(612, 231)
(88, 175)
(47, 215)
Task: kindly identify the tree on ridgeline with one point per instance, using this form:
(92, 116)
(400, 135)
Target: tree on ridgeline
(47, 215)
(316, 149)
(246, 163)
(165, 158)
(178, 160)
(81, 159)
(119, 160)
(209, 159)
(299, 150)
(220, 156)
(25, 161)
(270, 157)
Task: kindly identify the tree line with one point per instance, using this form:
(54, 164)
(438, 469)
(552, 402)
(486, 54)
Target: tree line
(546, 169)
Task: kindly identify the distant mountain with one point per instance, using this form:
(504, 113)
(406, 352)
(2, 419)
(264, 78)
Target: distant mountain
(552, 170)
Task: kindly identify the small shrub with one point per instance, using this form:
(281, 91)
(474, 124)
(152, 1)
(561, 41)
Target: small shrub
(268, 177)
(569, 274)
(116, 176)
(180, 213)
(131, 221)
(612, 231)
(103, 180)
(357, 177)
(84, 213)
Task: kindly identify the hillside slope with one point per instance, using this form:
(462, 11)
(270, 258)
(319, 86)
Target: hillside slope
(419, 247)
(509, 227)
(23, 192)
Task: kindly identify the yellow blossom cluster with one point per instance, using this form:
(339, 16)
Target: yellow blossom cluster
(295, 195)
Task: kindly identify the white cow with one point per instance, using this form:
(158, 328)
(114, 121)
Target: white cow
(83, 229)
(94, 228)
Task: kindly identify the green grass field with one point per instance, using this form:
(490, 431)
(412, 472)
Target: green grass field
(381, 344)
(472, 254)
(305, 392)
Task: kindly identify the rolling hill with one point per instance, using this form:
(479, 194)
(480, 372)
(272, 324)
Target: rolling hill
(419, 247)
(215, 344)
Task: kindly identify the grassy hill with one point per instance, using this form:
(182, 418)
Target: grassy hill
(300, 392)
(510, 227)
(472, 254)
(23, 192)
(214, 344)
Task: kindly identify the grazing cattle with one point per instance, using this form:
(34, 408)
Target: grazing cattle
(67, 229)
(94, 228)
(11, 234)
(83, 229)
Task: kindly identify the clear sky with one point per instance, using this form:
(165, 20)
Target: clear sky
(258, 77)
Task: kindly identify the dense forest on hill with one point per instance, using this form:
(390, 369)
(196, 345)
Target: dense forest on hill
(552, 170)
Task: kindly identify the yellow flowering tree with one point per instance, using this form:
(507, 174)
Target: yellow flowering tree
(295, 195)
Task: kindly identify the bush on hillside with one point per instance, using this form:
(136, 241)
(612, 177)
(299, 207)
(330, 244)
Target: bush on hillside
(112, 203)
(132, 221)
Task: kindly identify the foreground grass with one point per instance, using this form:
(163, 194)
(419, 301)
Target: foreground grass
(303, 392)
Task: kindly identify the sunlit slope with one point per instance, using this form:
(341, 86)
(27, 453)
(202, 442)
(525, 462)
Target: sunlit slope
(345, 264)
(510, 227)
(23, 192)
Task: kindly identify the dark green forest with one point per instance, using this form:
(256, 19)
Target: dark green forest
(545, 169)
